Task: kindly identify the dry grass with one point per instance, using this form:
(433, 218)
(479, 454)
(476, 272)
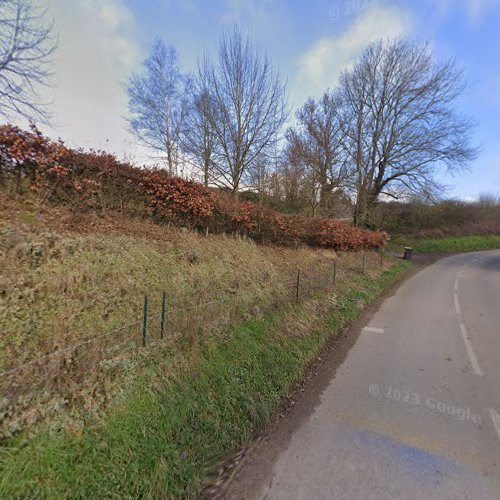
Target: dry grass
(62, 284)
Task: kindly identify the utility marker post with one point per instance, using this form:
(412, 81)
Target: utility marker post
(163, 311)
(145, 322)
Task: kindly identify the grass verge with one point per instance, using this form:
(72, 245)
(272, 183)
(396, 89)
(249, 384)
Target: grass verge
(447, 245)
(165, 433)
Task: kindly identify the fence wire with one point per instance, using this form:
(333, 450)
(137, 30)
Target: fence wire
(63, 366)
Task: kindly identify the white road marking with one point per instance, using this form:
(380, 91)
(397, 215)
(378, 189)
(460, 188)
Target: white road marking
(470, 352)
(456, 285)
(373, 329)
(495, 417)
(460, 273)
(457, 305)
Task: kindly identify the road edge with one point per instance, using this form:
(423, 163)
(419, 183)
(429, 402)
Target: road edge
(299, 404)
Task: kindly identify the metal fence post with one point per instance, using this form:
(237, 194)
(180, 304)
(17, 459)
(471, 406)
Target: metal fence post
(163, 311)
(364, 260)
(334, 272)
(145, 321)
(298, 286)
(381, 257)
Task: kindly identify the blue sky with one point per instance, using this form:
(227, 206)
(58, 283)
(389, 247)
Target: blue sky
(102, 41)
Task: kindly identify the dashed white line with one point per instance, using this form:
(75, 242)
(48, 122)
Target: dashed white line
(457, 305)
(468, 346)
(470, 352)
(495, 417)
(373, 329)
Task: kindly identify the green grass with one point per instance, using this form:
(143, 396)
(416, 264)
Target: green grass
(164, 435)
(447, 245)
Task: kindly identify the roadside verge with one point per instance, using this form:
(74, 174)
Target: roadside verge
(166, 435)
(450, 244)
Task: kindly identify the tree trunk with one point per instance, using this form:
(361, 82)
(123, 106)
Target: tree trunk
(205, 172)
(359, 217)
(324, 195)
(363, 209)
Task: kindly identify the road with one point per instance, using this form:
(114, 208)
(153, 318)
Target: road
(414, 410)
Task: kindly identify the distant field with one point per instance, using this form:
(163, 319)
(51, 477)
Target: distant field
(446, 245)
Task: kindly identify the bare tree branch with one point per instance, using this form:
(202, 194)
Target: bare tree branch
(247, 106)
(26, 47)
(199, 138)
(158, 102)
(317, 144)
(400, 126)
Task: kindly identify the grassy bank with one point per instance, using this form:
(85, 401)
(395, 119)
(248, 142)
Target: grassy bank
(70, 279)
(65, 277)
(167, 429)
(447, 245)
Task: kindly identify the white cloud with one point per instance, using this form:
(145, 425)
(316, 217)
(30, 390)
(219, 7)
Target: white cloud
(320, 66)
(96, 55)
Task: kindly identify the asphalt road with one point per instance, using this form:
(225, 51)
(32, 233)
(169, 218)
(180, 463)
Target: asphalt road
(414, 410)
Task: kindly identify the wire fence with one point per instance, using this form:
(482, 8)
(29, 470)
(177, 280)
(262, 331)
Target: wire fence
(63, 370)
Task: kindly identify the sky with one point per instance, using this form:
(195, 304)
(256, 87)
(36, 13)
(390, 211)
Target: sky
(102, 42)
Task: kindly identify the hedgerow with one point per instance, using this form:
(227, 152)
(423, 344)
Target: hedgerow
(97, 180)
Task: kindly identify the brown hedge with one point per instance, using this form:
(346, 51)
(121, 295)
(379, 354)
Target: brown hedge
(97, 180)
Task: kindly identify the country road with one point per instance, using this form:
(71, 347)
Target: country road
(413, 411)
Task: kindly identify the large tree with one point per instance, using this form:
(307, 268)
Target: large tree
(26, 46)
(247, 106)
(158, 103)
(399, 123)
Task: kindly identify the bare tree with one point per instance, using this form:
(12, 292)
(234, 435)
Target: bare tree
(317, 143)
(399, 124)
(158, 102)
(261, 177)
(291, 177)
(299, 174)
(247, 106)
(199, 139)
(26, 46)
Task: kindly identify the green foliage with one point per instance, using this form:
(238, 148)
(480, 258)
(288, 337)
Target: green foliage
(447, 245)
